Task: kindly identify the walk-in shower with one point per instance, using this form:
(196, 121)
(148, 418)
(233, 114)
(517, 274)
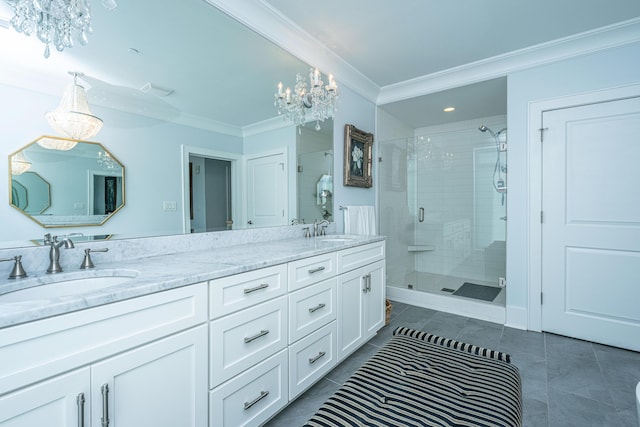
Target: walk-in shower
(442, 199)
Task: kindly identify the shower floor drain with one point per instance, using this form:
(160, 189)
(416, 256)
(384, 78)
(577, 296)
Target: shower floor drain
(447, 290)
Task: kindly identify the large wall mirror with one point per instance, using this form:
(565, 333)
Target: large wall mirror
(59, 182)
(212, 62)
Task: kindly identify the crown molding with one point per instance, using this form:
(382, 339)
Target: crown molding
(274, 26)
(619, 34)
(274, 123)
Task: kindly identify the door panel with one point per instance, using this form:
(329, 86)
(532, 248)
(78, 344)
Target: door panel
(591, 228)
(267, 193)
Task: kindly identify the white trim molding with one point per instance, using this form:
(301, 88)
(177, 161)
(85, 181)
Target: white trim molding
(591, 41)
(534, 166)
(273, 25)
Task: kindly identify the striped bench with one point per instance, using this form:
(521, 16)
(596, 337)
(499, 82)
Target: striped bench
(420, 379)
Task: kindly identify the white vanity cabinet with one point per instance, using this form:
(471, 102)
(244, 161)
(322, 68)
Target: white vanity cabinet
(247, 346)
(361, 295)
(137, 362)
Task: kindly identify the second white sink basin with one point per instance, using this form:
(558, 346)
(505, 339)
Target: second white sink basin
(64, 288)
(336, 238)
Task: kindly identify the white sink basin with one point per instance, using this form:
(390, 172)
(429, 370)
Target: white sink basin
(62, 288)
(337, 238)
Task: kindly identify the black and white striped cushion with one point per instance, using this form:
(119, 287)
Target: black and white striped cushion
(447, 342)
(414, 382)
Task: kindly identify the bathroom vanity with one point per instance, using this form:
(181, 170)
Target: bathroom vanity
(225, 337)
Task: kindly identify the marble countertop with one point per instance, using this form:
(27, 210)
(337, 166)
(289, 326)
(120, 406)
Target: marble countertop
(145, 276)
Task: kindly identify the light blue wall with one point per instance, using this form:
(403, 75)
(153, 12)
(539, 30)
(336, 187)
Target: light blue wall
(355, 110)
(606, 69)
(149, 149)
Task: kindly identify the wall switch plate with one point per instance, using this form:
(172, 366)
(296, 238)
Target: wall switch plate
(169, 206)
(502, 282)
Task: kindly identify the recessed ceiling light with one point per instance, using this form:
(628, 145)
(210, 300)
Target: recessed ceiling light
(449, 109)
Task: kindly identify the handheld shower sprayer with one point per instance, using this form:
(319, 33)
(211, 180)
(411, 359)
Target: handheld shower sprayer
(498, 182)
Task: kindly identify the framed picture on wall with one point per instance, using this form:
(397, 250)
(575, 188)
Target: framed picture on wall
(357, 157)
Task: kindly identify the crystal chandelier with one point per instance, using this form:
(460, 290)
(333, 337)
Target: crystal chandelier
(317, 100)
(19, 164)
(106, 161)
(73, 116)
(54, 21)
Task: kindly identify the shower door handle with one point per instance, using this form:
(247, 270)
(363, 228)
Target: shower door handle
(421, 215)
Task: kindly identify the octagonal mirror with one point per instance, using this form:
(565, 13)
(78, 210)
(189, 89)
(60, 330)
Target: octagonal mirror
(60, 182)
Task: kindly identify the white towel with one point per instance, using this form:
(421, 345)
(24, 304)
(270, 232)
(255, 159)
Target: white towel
(360, 220)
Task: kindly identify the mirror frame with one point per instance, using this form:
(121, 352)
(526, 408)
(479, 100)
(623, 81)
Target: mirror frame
(31, 217)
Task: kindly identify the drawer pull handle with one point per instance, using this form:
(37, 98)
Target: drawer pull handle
(256, 336)
(257, 288)
(317, 307)
(316, 270)
(80, 402)
(248, 405)
(313, 360)
(105, 405)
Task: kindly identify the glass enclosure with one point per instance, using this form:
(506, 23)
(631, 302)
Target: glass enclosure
(443, 196)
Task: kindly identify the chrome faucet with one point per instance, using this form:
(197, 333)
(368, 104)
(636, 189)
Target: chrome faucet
(54, 252)
(316, 223)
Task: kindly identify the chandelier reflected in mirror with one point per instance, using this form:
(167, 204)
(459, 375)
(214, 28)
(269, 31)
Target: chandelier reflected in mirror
(56, 22)
(315, 101)
(73, 118)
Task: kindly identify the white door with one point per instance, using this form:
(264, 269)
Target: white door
(591, 225)
(267, 191)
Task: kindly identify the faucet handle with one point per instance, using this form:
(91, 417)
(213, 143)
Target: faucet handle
(87, 263)
(323, 231)
(307, 233)
(17, 272)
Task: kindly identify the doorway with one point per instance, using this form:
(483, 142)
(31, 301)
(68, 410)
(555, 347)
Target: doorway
(210, 194)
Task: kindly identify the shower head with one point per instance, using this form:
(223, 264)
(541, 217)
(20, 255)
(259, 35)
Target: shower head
(483, 128)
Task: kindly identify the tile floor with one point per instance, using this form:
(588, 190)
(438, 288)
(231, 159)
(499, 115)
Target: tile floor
(566, 382)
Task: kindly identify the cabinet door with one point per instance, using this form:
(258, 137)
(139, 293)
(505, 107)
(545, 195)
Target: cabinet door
(160, 384)
(60, 402)
(374, 299)
(351, 288)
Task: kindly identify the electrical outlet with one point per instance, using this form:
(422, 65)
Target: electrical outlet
(502, 282)
(169, 206)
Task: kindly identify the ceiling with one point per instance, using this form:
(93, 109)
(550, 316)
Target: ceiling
(222, 73)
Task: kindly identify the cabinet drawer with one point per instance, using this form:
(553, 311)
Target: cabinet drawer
(234, 293)
(245, 338)
(311, 358)
(38, 350)
(252, 397)
(311, 307)
(352, 258)
(307, 271)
